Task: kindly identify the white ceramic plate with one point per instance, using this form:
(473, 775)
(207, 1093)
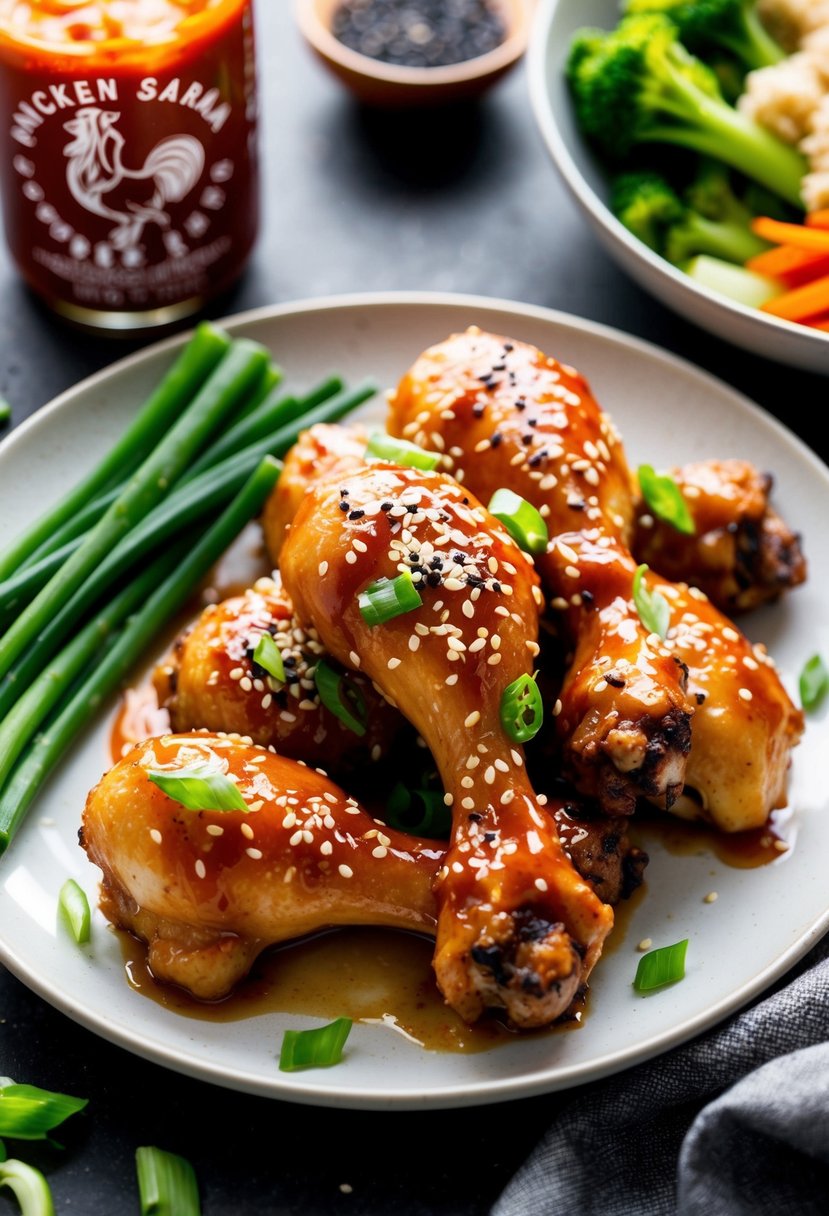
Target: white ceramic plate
(762, 922)
(552, 31)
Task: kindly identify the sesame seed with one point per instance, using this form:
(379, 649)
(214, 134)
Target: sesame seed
(213, 829)
(507, 797)
(710, 898)
(645, 944)
(451, 680)
(494, 659)
(351, 557)
(541, 883)
(345, 871)
(557, 708)
(489, 775)
(323, 568)
(156, 835)
(247, 830)
(326, 848)
(246, 684)
(745, 694)
(354, 658)
(468, 804)
(448, 799)
(236, 673)
(380, 851)
(254, 854)
(200, 868)
(473, 719)
(392, 663)
(467, 782)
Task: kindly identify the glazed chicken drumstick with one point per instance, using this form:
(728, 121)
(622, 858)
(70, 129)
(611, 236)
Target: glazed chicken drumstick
(494, 404)
(517, 926)
(506, 415)
(211, 680)
(209, 890)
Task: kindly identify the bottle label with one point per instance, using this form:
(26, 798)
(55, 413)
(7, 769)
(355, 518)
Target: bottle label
(119, 192)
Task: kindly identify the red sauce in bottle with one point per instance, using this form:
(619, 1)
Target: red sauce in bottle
(128, 160)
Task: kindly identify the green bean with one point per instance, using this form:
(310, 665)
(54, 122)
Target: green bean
(86, 699)
(189, 372)
(242, 365)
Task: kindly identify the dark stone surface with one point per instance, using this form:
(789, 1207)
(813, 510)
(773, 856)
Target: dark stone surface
(466, 201)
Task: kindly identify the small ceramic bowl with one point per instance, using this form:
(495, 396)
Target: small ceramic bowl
(389, 85)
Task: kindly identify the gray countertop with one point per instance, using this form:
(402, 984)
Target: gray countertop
(354, 201)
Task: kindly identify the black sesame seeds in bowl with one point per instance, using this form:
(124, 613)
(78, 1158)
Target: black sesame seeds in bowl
(416, 52)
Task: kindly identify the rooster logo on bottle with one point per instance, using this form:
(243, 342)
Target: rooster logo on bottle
(96, 174)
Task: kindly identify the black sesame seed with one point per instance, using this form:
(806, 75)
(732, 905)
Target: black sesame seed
(474, 817)
(386, 506)
(343, 506)
(356, 514)
(495, 441)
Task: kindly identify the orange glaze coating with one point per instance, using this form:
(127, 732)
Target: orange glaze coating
(517, 925)
(745, 725)
(209, 890)
(523, 420)
(624, 716)
(210, 681)
(741, 554)
(323, 450)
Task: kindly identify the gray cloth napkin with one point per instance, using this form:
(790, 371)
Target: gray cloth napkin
(734, 1123)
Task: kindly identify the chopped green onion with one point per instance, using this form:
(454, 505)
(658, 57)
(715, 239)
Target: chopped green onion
(269, 658)
(814, 682)
(200, 787)
(5, 411)
(314, 1048)
(28, 1113)
(387, 598)
(524, 523)
(664, 498)
(30, 1188)
(522, 709)
(654, 610)
(167, 1183)
(341, 696)
(400, 451)
(419, 812)
(74, 905)
(663, 966)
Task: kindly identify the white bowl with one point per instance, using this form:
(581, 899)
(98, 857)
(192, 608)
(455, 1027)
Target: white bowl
(553, 27)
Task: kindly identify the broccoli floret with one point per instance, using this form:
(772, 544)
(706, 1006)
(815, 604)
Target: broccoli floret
(732, 25)
(652, 210)
(639, 84)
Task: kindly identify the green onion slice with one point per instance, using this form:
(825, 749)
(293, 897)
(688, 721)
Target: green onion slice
(522, 709)
(418, 811)
(663, 966)
(74, 905)
(400, 451)
(269, 658)
(167, 1183)
(318, 1048)
(341, 696)
(29, 1186)
(654, 610)
(524, 523)
(387, 598)
(200, 787)
(29, 1113)
(814, 682)
(664, 498)
(5, 411)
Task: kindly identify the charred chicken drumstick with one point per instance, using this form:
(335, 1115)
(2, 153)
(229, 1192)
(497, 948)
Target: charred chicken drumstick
(742, 554)
(487, 398)
(211, 680)
(517, 926)
(209, 890)
(506, 415)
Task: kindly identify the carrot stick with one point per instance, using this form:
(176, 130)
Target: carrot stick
(793, 267)
(818, 219)
(803, 302)
(780, 233)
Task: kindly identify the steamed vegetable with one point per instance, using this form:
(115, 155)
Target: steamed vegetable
(718, 25)
(638, 84)
(649, 208)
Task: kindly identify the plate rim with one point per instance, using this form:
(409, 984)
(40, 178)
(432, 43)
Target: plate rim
(487, 1091)
(618, 240)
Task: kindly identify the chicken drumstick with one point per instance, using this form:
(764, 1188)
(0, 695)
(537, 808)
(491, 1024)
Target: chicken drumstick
(517, 926)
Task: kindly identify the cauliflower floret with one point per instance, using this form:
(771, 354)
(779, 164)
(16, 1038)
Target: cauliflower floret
(816, 148)
(791, 20)
(784, 97)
